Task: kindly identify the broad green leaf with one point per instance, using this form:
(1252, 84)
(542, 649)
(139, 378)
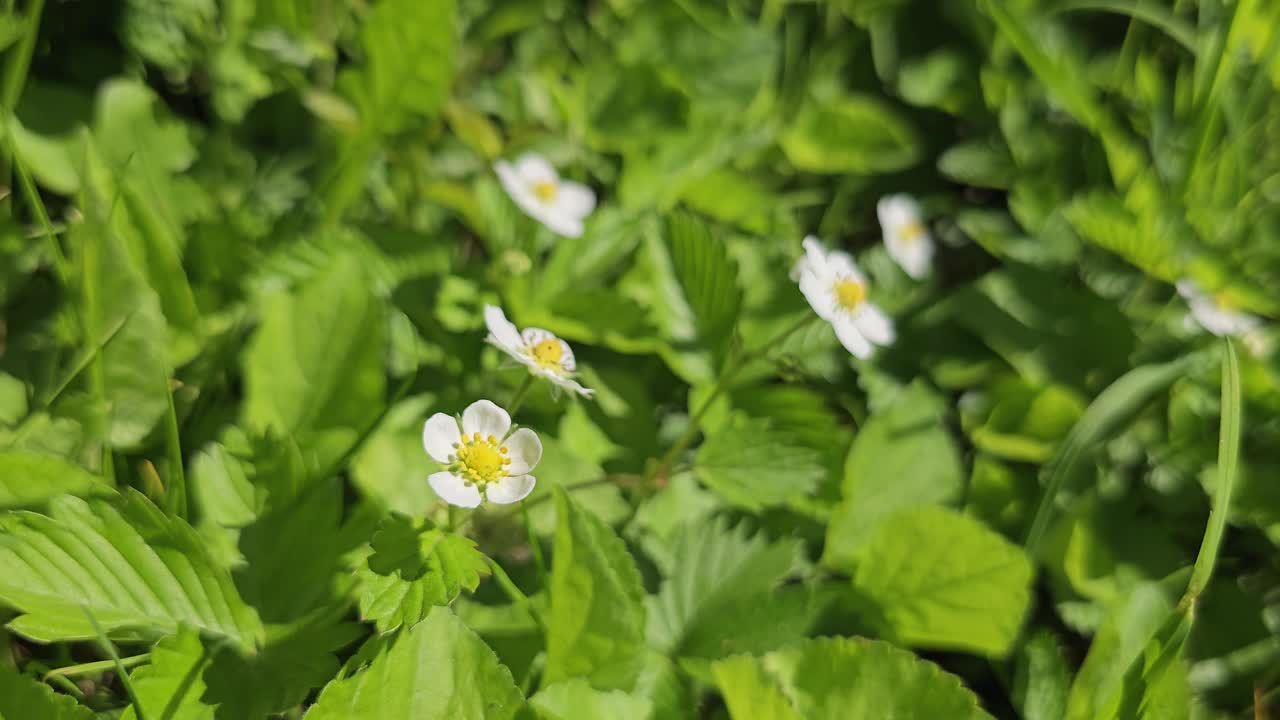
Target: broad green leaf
(902, 457)
(978, 163)
(390, 469)
(172, 684)
(1102, 219)
(1026, 421)
(413, 568)
(26, 698)
(940, 579)
(575, 699)
(142, 575)
(596, 622)
(50, 160)
(723, 596)
(1042, 680)
(314, 368)
(408, 48)
(840, 678)
(850, 134)
(754, 467)
(28, 479)
(708, 285)
(435, 670)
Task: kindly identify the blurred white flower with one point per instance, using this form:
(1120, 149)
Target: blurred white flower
(539, 350)
(483, 462)
(905, 235)
(535, 186)
(837, 291)
(1215, 313)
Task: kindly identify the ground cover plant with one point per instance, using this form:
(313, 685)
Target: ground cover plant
(561, 359)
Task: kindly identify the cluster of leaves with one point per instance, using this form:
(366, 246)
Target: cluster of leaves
(246, 252)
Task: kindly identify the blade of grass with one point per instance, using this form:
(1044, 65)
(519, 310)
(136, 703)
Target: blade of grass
(98, 666)
(110, 649)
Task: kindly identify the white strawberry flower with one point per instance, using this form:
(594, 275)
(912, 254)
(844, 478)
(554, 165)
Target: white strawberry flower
(1216, 313)
(536, 187)
(483, 460)
(905, 235)
(837, 291)
(539, 350)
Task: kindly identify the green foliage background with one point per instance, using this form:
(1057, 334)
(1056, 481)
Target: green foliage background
(244, 251)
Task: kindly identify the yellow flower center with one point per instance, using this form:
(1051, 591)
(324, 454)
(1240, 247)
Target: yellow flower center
(546, 190)
(911, 231)
(850, 293)
(480, 460)
(1224, 301)
(547, 353)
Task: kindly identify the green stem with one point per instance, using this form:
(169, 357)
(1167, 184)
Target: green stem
(517, 596)
(15, 76)
(521, 392)
(534, 546)
(176, 493)
(110, 648)
(98, 666)
(690, 434)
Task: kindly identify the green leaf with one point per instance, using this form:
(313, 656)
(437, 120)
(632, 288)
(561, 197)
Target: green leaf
(595, 625)
(25, 698)
(1101, 218)
(723, 596)
(575, 699)
(408, 49)
(840, 678)
(1042, 680)
(754, 467)
(28, 479)
(141, 574)
(708, 284)
(414, 567)
(172, 685)
(314, 368)
(850, 134)
(1228, 470)
(979, 163)
(939, 579)
(436, 670)
(1027, 421)
(903, 457)
(51, 160)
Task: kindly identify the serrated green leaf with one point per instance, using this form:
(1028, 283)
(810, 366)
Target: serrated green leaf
(942, 580)
(172, 684)
(575, 699)
(413, 568)
(436, 670)
(850, 134)
(25, 698)
(840, 678)
(708, 282)
(140, 573)
(1102, 219)
(722, 594)
(28, 479)
(755, 467)
(902, 457)
(595, 625)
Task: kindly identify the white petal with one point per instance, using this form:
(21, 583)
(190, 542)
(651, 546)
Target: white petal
(501, 331)
(1189, 290)
(533, 169)
(894, 211)
(439, 436)
(568, 362)
(525, 449)
(486, 418)
(575, 199)
(573, 385)
(559, 221)
(914, 256)
(510, 489)
(453, 490)
(815, 254)
(519, 190)
(533, 335)
(851, 338)
(840, 265)
(873, 324)
(818, 292)
(1219, 321)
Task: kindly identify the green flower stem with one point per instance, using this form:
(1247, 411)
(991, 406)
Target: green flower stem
(517, 596)
(116, 662)
(521, 392)
(98, 666)
(534, 546)
(663, 468)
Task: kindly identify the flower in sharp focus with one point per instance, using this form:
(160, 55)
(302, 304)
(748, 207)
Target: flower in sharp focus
(536, 187)
(483, 460)
(837, 291)
(540, 350)
(1215, 313)
(905, 235)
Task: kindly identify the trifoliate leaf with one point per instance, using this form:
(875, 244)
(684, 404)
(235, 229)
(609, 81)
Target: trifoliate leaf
(575, 699)
(139, 572)
(722, 596)
(26, 698)
(940, 579)
(840, 678)
(595, 625)
(754, 467)
(28, 479)
(412, 569)
(902, 457)
(436, 670)
(701, 305)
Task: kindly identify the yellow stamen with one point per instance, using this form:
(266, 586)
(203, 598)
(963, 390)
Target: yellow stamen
(547, 353)
(1224, 301)
(850, 293)
(546, 190)
(480, 461)
(911, 231)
